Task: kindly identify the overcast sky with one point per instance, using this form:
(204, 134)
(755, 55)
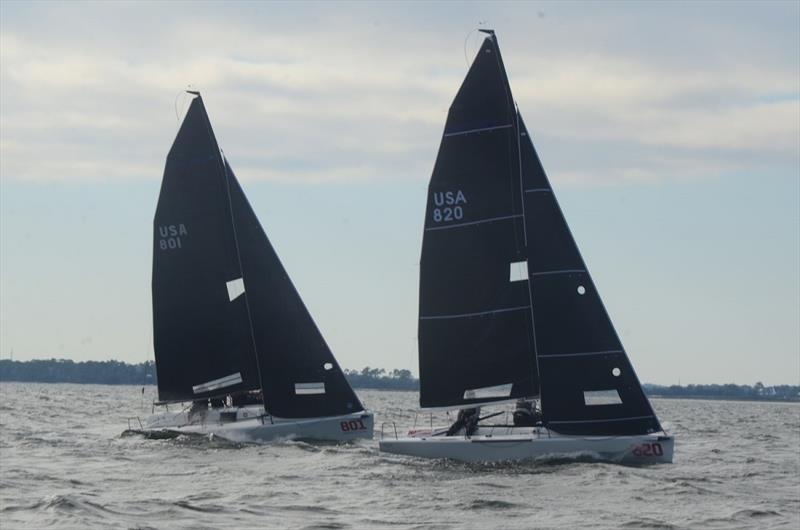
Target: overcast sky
(670, 132)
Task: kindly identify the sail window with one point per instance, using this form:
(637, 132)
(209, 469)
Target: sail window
(302, 389)
(497, 391)
(581, 290)
(519, 271)
(328, 366)
(616, 372)
(601, 397)
(235, 288)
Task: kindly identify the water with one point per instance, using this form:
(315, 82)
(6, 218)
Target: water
(63, 464)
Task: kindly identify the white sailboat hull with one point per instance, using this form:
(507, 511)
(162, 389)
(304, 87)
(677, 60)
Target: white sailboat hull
(251, 425)
(533, 444)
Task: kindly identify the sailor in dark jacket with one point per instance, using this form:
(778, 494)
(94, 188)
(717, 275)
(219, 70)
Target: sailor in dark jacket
(525, 414)
(468, 420)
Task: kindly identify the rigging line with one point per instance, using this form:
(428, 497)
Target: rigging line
(224, 167)
(563, 271)
(528, 251)
(224, 162)
(583, 354)
(511, 105)
(521, 187)
(145, 365)
(481, 129)
(177, 118)
(466, 60)
(629, 418)
(190, 90)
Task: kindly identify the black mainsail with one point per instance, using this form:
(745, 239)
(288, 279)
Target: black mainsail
(505, 296)
(226, 316)
(475, 328)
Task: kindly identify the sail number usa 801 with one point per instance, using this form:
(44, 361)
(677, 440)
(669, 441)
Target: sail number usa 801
(448, 206)
(171, 236)
(352, 425)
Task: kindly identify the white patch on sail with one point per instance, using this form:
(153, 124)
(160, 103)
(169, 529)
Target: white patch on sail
(498, 391)
(222, 382)
(519, 271)
(601, 397)
(235, 288)
(309, 388)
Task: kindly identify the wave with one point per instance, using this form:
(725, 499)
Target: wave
(488, 504)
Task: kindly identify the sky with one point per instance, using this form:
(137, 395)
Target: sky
(670, 132)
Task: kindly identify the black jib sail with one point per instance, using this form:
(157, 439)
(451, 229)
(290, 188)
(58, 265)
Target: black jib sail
(226, 316)
(475, 329)
(586, 382)
(300, 374)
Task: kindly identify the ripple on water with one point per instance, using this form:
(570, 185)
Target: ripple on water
(645, 522)
(488, 504)
(203, 508)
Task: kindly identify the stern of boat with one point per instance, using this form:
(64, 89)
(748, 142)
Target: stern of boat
(650, 449)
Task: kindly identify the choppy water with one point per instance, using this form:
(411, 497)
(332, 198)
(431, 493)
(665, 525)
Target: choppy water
(63, 464)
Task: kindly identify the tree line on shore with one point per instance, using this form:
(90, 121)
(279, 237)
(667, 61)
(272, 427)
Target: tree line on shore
(120, 373)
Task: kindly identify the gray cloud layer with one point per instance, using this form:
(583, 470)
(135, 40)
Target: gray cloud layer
(319, 92)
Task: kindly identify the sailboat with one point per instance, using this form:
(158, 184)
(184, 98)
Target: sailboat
(233, 341)
(508, 311)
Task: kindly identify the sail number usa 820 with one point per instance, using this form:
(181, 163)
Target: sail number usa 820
(449, 206)
(648, 449)
(170, 236)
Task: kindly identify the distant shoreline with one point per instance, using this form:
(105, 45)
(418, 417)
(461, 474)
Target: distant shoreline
(730, 398)
(120, 373)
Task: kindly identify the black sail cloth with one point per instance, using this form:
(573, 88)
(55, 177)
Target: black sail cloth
(226, 316)
(505, 297)
(475, 331)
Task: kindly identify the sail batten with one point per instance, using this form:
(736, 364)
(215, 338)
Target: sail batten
(481, 129)
(473, 223)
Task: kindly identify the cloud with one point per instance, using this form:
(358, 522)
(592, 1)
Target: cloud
(313, 102)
